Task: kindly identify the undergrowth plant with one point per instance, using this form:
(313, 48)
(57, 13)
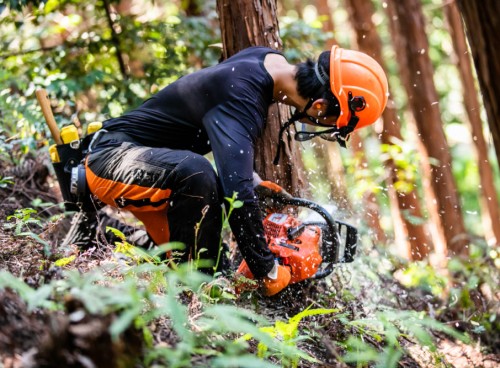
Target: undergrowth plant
(468, 289)
(5, 181)
(151, 293)
(22, 219)
(21, 223)
(288, 332)
(233, 203)
(198, 263)
(377, 339)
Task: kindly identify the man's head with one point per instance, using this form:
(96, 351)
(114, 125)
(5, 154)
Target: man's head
(342, 84)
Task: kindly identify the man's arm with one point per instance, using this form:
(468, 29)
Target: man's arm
(233, 153)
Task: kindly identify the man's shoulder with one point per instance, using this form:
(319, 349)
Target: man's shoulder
(256, 51)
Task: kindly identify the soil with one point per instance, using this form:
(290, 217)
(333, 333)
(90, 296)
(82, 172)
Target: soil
(72, 337)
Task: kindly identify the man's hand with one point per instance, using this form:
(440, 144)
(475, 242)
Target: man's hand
(275, 281)
(271, 196)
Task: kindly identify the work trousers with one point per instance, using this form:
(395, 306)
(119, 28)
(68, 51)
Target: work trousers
(174, 193)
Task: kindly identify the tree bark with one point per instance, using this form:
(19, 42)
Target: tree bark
(483, 27)
(488, 196)
(371, 209)
(246, 23)
(328, 25)
(330, 152)
(327, 156)
(412, 50)
(413, 237)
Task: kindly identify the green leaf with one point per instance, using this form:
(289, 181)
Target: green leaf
(61, 262)
(244, 361)
(124, 321)
(237, 204)
(389, 358)
(7, 280)
(359, 351)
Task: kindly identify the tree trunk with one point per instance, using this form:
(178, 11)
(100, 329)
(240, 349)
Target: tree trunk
(330, 152)
(328, 25)
(115, 39)
(483, 27)
(327, 156)
(371, 209)
(246, 23)
(413, 236)
(412, 50)
(488, 198)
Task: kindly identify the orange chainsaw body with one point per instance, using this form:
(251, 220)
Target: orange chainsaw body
(301, 253)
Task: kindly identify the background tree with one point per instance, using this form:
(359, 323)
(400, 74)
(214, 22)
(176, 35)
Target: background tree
(489, 201)
(412, 50)
(414, 241)
(332, 156)
(260, 28)
(482, 28)
(328, 154)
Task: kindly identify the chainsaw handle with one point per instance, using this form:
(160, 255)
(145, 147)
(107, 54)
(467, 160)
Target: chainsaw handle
(330, 222)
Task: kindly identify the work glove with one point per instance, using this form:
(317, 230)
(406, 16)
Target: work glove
(275, 281)
(271, 196)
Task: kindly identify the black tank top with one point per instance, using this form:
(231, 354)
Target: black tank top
(174, 117)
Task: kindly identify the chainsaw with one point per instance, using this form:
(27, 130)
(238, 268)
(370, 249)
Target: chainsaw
(310, 248)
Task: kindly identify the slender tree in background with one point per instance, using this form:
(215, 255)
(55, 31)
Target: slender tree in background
(326, 15)
(488, 197)
(246, 23)
(327, 158)
(412, 50)
(371, 209)
(415, 238)
(329, 153)
(483, 27)
(115, 39)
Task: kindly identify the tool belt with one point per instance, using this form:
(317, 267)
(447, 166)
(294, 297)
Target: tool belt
(68, 160)
(70, 173)
(69, 167)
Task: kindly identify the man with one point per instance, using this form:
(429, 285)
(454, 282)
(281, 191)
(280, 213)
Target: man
(150, 160)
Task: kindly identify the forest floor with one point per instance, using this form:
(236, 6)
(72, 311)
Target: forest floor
(30, 336)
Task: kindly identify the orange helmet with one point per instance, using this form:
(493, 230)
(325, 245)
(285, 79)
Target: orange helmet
(359, 84)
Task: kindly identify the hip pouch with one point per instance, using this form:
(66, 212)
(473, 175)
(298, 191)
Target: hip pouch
(70, 172)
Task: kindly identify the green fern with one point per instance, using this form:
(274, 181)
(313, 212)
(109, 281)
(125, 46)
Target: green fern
(21, 219)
